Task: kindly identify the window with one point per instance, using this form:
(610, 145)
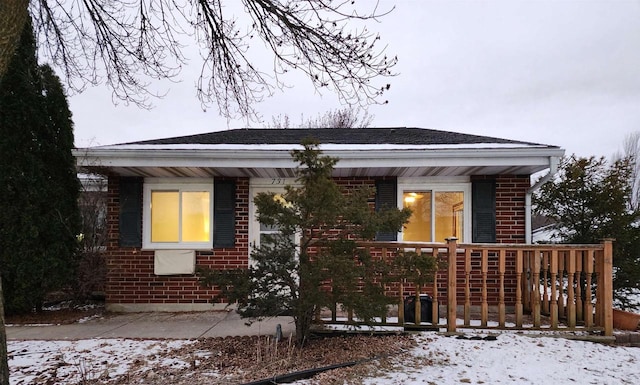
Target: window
(271, 230)
(438, 212)
(178, 216)
(259, 232)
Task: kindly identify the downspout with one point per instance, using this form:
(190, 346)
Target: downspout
(553, 168)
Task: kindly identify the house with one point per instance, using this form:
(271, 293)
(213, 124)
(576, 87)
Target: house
(179, 202)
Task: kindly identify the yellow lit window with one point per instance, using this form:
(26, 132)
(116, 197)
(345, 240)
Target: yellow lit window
(444, 209)
(180, 216)
(165, 211)
(449, 215)
(419, 227)
(195, 216)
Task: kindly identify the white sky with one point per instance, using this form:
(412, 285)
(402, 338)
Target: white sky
(564, 73)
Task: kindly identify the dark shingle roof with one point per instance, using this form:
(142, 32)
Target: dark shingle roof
(402, 135)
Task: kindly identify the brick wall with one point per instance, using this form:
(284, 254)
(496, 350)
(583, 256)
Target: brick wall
(130, 277)
(510, 209)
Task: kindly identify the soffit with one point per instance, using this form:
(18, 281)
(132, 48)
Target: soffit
(278, 163)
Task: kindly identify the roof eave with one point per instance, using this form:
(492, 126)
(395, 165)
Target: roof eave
(100, 157)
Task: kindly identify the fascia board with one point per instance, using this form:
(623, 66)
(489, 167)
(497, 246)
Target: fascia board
(347, 159)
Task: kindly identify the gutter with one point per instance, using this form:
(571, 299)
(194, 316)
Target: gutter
(553, 168)
(528, 157)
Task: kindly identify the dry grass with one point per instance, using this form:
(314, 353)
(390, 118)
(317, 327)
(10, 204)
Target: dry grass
(238, 360)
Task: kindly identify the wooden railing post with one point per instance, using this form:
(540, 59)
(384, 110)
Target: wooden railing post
(519, 274)
(451, 284)
(526, 280)
(435, 304)
(545, 284)
(502, 256)
(553, 304)
(561, 302)
(579, 283)
(588, 271)
(606, 290)
(536, 289)
(401, 303)
(467, 287)
(384, 285)
(417, 306)
(484, 306)
(571, 300)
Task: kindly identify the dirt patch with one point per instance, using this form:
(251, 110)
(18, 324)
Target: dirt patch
(238, 360)
(58, 314)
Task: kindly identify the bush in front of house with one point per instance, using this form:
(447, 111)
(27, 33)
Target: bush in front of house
(311, 261)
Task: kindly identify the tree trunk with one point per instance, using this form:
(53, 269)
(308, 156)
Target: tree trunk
(4, 364)
(13, 15)
(303, 326)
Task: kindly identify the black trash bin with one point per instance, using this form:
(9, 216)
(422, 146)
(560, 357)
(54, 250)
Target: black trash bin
(426, 308)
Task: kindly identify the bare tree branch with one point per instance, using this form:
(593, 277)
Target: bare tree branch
(339, 118)
(129, 43)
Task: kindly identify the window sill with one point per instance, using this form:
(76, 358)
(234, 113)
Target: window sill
(178, 246)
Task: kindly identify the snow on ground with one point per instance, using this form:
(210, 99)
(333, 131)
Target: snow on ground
(70, 362)
(515, 358)
(512, 358)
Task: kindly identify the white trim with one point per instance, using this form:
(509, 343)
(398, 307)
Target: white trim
(178, 181)
(553, 168)
(434, 180)
(322, 146)
(257, 185)
(438, 185)
(270, 158)
(254, 225)
(176, 184)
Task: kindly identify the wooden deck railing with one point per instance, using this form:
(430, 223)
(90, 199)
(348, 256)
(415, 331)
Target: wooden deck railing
(509, 286)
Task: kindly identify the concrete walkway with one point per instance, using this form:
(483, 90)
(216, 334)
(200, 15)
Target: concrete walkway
(154, 325)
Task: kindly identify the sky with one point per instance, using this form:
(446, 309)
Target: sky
(512, 358)
(563, 73)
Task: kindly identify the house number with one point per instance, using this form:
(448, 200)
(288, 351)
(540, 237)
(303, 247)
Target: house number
(278, 181)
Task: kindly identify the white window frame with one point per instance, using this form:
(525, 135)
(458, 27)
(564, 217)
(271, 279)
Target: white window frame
(264, 185)
(181, 185)
(439, 185)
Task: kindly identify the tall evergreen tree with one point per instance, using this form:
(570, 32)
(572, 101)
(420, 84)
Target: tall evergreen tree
(589, 201)
(38, 184)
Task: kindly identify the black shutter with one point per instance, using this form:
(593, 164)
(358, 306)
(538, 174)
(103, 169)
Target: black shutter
(224, 220)
(130, 212)
(484, 211)
(386, 198)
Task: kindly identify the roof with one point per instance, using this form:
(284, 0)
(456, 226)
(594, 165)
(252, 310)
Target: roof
(265, 153)
(400, 135)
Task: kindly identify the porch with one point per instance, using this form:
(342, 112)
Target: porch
(503, 286)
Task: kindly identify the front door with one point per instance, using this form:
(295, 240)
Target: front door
(257, 231)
